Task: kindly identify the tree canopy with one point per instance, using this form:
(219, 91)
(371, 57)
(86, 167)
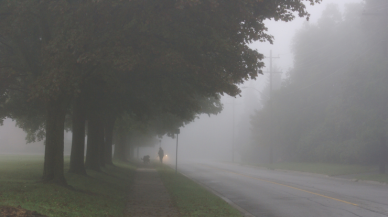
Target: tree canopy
(147, 58)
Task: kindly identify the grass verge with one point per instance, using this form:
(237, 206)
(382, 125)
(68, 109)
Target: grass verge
(99, 194)
(320, 168)
(192, 199)
(382, 178)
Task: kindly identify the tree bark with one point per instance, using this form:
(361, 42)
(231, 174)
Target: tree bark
(101, 142)
(120, 147)
(53, 169)
(77, 165)
(109, 126)
(131, 154)
(93, 145)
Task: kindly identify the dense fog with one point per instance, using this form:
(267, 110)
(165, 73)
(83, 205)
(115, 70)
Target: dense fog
(326, 99)
(13, 141)
(211, 137)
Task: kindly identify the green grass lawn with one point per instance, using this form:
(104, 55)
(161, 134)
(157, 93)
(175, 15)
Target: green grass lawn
(383, 178)
(320, 168)
(99, 194)
(191, 199)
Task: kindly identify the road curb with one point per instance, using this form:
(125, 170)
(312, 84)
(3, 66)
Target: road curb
(366, 181)
(318, 175)
(243, 211)
(286, 171)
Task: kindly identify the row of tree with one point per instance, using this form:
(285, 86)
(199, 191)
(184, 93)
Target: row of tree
(123, 65)
(333, 106)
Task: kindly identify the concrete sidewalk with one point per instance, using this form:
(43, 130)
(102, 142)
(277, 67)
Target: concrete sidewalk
(148, 196)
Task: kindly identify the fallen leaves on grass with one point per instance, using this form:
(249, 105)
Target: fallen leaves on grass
(10, 211)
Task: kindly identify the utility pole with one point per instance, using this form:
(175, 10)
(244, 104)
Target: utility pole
(233, 129)
(383, 144)
(384, 21)
(176, 152)
(233, 132)
(383, 139)
(385, 26)
(270, 107)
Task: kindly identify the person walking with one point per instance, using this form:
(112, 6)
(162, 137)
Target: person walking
(161, 154)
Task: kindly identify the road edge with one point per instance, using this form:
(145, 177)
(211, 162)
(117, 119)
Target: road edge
(319, 175)
(240, 209)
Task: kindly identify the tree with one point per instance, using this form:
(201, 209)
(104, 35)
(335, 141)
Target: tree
(178, 50)
(332, 108)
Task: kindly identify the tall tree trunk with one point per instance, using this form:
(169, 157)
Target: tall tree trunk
(120, 147)
(53, 169)
(109, 126)
(101, 142)
(78, 141)
(92, 152)
(131, 151)
(383, 154)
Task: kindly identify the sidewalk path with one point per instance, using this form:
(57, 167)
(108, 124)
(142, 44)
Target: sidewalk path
(148, 196)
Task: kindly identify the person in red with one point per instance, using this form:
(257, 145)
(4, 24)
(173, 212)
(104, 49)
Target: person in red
(161, 154)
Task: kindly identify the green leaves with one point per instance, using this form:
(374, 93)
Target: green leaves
(148, 58)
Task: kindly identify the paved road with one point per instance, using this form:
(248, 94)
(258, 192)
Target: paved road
(267, 193)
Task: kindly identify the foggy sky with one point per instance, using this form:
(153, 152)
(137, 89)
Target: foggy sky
(207, 137)
(211, 137)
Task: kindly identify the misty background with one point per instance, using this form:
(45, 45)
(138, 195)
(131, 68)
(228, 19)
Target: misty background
(212, 137)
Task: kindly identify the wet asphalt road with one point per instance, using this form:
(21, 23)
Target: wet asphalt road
(267, 193)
